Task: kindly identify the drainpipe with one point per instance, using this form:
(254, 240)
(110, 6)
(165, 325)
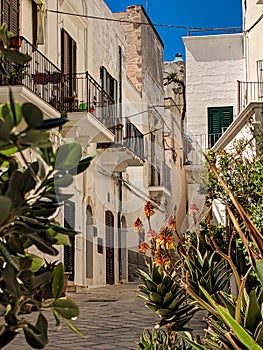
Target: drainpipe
(119, 227)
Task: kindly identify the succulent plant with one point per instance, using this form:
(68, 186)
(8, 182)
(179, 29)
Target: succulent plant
(164, 296)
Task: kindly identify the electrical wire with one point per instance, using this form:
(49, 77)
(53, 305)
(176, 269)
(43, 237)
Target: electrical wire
(164, 25)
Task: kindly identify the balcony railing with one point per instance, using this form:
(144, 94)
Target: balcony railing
(67, 93)
(195, 145)
(160, 175)
(134, 139)
(249, 92)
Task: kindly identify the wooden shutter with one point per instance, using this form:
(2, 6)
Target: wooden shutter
(219, 118)
(103, 77)
(34, 23)
(69, 251)
(214, 123)
(10, 14)
(226, 117)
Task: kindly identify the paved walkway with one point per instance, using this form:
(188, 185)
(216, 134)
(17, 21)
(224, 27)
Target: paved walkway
(113, 317)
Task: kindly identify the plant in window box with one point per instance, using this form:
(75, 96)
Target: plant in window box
(56, 78)
(17, 74)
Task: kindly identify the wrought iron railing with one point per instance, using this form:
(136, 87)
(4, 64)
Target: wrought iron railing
(160, 175)
(196, 145)
(249, 92)
(66, 93)
(134, 139)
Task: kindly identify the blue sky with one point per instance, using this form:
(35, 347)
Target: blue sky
(191, 13)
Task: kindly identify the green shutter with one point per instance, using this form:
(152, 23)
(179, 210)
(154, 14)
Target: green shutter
(219, 118)
(103, 77)
(214, 123)
(227, 117)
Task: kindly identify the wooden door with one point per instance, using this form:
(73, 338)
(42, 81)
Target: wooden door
(109, 227)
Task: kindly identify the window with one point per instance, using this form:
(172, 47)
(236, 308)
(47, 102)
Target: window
(10, 14)
(109, 84)
(219, 118)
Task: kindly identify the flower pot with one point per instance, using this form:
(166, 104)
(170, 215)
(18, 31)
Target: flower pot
(15, 42)
(40, 78)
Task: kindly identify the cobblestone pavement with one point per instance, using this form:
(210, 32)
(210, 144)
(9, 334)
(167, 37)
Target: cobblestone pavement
(112, 317)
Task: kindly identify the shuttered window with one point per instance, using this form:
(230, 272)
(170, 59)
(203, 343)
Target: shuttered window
(219, 118)
(10, 14)
(109, 84)
(69, 60)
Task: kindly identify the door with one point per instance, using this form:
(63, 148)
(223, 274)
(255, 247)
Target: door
(69, 251)
(109, 228)
(89, 242)
(69, 68)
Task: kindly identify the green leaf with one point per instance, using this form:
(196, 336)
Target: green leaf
(36, 263)
(69, 324)
(253, 313)
(62, 239)
(42, 245)
(239, 331)
(63, 180)
(195, 345)
(16, 56)
(37, 138)
(58, 280)
(38, 282)
(83, 164)
(68, 156)
(42, 326)
(33, 338)
(6, 336)
(66, 308)
(4, 131)
(259, 270)
(11, 113)
(33, 115)
(52, 123)
(5, 208)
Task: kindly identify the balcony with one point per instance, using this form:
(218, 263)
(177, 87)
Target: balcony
(160, 180)
(128, 150)
(249, 92)
(42, 83)
(195, 145)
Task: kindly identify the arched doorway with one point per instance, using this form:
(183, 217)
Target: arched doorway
(89, 242)
(109, 233)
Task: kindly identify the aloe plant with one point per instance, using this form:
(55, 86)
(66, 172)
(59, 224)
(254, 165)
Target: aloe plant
(166, 298)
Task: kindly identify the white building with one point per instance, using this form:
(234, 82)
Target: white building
(223, 86)
(109, 82)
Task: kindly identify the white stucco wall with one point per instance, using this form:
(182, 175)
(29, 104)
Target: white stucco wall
(253, 37)
(213, 66)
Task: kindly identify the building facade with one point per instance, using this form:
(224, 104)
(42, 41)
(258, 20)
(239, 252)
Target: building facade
(106, 78)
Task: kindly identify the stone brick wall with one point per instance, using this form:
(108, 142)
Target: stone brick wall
(135, 262)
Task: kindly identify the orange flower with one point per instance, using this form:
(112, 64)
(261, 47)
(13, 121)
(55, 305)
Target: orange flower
(151, 234)
(165, 238)
(171, 223)
(162, 261)
(143, 247)
(148, 210)
(138, 226)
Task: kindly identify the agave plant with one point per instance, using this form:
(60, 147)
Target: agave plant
(164, 296)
